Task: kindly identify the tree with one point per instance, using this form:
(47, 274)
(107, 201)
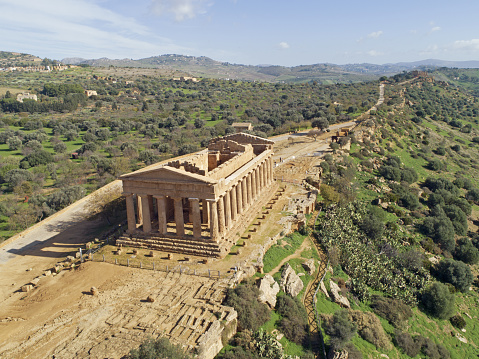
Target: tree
(199, 123)
(321, 123)
(59, 147)
(329, 194)
(14, 143)
(160, 348)
(144, 107)
(340, 330)
(314, 134)
(466, 251)
(473, 195)
(439, 301)
(441, 230)
(455, 272)
(105, 202)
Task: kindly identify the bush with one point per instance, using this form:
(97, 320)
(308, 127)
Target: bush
(36, 159)
(441, 230)
(473, 195)
(407, 344)
(409, 175)
(458, 219)
(251, 313)
(340, 330)
(456, 273)
(160, 348)
(458, 322)
(372, 226)
(466, 251)
(294, 324)
(438, 301)
(395, 311)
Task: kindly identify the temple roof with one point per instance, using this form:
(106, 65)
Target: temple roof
(168, 174)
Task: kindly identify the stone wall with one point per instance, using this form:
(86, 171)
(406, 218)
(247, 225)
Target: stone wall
(236, 162)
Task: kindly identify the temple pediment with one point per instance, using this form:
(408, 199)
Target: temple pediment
(168, 174)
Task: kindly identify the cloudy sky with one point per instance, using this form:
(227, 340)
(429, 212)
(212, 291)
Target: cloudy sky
(251, 32)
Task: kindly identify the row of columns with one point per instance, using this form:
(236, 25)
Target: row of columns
(220, 215)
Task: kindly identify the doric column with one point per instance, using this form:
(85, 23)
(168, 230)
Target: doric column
(179, 219)
(151, 206)
(258, 181)
(244, 192)
(249, 196)
(130, 212)
(195, 208)
(234, 208)
(161, 204)
(227, 200)
(221, 216)
(204, 211)
(263, 175)
(254, 192)
(213, 219)
(271, 169)
(139, 210)
(145, 206)
(239, 196)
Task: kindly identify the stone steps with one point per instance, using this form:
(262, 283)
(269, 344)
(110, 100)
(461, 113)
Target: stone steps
(183, 246)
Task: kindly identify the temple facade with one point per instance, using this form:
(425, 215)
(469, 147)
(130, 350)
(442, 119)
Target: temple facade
(196, 204)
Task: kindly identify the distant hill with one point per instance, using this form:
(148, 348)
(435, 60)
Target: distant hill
(325, 73)
(202, 66)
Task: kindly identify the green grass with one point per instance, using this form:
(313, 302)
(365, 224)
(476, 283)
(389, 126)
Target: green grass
(278, 252)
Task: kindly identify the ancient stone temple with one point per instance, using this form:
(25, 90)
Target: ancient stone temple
(198, 203)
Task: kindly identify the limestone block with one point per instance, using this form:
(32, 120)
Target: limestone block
(336, 296)
(94, 291)
(27, 288)
(35, 281)
(152, 254)
(290, 281)
(47, 273)
(309, 266)
(268, 289)
(70, 258)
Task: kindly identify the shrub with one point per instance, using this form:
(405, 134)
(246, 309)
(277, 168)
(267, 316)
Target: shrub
(372, 226)
(458, 219)
(441, 230)
(251, 313)
(407, 344)
(473, 195)
(36, 159)
(160, 348)
(409, 175)
(456, 273)
(395, 311)
(458, 321)
(466, 251)
(390, 173)
(294, 324)
(438, 300)
(340, 330)
(436, 165)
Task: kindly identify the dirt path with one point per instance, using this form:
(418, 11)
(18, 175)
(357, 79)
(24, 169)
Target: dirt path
(304, 245)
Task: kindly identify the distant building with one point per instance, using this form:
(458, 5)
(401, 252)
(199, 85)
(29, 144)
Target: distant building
(242, 126)
(186, 78)
(26, 95)
(90, 93)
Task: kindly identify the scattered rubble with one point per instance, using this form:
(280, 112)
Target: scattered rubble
(309, 266)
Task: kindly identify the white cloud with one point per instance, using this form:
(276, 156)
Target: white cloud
(375, 34)
(468, 45)
(374, 53)
(181, 9)
(431, 49)
(76, 28)
(283, 45)
(435, 28)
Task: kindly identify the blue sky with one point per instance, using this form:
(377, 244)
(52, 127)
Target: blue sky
(250, 32)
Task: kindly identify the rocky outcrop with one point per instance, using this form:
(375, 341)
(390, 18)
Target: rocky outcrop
(268, 289)
(333, 354)
(291, 283)
(309, 266)
(336, 295)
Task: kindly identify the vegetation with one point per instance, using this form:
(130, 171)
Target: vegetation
(160, 348)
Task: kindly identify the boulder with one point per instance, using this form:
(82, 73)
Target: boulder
(333, 354)
(323, 288)
(150, 299)
(335, 292)
(93, 291)
(268, 289)
(290, 281)
(309, 266)
(47, 273)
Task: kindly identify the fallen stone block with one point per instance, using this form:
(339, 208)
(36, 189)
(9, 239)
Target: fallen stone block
(94, 291)
(27, 288)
